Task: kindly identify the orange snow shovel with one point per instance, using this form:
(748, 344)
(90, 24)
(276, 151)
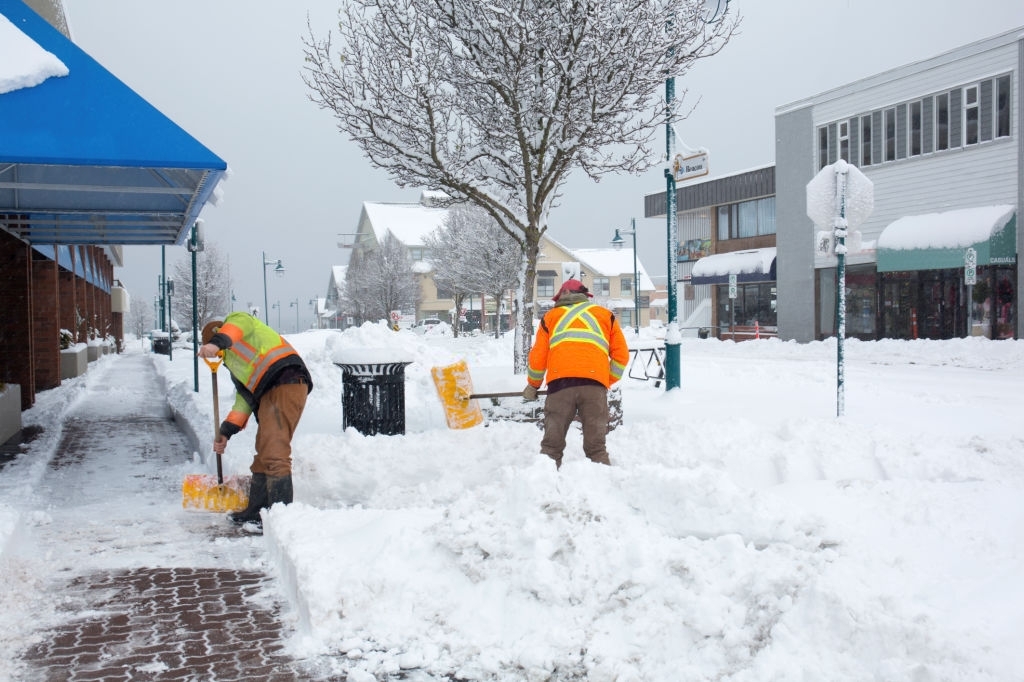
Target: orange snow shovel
(203, 492)
(455, 388)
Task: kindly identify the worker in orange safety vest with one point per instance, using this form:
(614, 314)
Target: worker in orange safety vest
(581, 350)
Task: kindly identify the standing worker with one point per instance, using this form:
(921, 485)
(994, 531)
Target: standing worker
(272, 382)
(581, 348)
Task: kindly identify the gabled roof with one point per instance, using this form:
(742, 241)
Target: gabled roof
(409, 223)
(85, 160)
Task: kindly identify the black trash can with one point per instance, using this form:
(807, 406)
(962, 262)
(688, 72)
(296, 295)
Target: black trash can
(373, 397)
(162, 345)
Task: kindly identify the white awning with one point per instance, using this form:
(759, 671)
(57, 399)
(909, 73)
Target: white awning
(752, 265)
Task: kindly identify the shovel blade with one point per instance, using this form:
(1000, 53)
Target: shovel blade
(202, 492)
(454, 386)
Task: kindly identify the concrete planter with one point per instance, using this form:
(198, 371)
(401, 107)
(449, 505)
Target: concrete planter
(73, 362)
(10, 411)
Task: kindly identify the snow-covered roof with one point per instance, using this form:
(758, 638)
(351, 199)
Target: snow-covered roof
(752, 262)
(948, 230)
(23, 62)
(410, 223)
(612, 262)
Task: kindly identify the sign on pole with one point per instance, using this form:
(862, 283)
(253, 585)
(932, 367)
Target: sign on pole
(732, 286)
(690, 166)
(840, 197)
(970, 266)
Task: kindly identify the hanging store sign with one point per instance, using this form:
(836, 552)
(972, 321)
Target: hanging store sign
(690, 166)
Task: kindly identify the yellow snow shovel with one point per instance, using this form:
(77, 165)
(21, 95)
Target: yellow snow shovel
(455, 388)
(203, 492)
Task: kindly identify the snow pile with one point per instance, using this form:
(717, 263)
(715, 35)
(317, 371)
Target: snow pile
(743, 533)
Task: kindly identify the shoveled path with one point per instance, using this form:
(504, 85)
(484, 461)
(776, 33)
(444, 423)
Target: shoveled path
(137, 588)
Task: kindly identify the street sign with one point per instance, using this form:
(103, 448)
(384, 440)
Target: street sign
(859, 198)
(690, 167)
(732, 286)
(970, 266)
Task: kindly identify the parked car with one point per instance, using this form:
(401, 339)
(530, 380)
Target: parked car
(425, 325)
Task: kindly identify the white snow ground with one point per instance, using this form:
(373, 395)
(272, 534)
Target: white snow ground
(745, 532)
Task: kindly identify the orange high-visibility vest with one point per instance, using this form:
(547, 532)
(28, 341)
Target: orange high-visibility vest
(582, 340)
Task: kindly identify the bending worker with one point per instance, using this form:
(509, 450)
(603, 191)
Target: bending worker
(272, 382)
(581, 349)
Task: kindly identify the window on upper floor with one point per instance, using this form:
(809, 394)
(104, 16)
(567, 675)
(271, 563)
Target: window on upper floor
(602, 287)
(545, 283)
(626, 286)
(971, 115)
(746, 219)
(865, 140)
(915, 128)
(1002, 106)
(942, 122)
(960, 117)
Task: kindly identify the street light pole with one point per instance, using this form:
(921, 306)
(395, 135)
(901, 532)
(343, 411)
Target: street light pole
(617, 243)
(278, 270)
(295, 304)
(714, 10)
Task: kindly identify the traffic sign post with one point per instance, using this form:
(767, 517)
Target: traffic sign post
(970, 279)
(733, 291)
(840, 197)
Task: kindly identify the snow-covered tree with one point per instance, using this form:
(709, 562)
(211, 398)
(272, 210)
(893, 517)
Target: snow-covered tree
(379, 280)
(498, 102)
(139, 319)
(471, 254)
(213, 290)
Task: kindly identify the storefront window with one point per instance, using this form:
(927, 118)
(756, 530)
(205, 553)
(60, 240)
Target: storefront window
(994, 314)
(753, 303)
(861, 298)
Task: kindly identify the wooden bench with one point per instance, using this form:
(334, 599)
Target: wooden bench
(748, 332)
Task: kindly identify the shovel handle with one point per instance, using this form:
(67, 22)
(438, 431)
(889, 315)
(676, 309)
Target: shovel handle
(214, 365)
(507, 394)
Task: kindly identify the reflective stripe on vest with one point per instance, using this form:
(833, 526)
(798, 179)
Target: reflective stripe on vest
(257, 366)
(591, 333)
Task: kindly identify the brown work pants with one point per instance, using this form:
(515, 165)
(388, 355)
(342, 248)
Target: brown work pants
(280, 410)
(590, 402)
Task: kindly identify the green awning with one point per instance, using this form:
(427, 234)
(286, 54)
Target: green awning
(938, 241)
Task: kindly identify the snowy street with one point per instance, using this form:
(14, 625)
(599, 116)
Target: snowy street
(743, 533)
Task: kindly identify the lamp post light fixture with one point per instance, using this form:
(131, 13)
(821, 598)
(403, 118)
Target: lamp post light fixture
(316, 313)
(278, 270)
(617, 242)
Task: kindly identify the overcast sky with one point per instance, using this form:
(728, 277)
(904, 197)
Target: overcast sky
(228, 72)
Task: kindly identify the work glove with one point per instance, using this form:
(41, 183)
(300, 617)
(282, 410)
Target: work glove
(530, 393)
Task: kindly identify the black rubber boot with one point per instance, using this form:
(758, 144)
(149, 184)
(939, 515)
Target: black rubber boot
(279, 489)
(257, 501)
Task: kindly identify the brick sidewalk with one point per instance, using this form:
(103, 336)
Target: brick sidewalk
(115, 616)
(166, 624)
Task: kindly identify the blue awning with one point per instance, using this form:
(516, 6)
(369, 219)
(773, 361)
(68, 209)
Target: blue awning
(85, 160)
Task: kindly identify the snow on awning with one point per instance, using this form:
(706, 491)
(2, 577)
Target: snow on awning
(753, 265)
(83, 158)
(937, 241)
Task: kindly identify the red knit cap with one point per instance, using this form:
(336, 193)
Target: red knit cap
(573, 286)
